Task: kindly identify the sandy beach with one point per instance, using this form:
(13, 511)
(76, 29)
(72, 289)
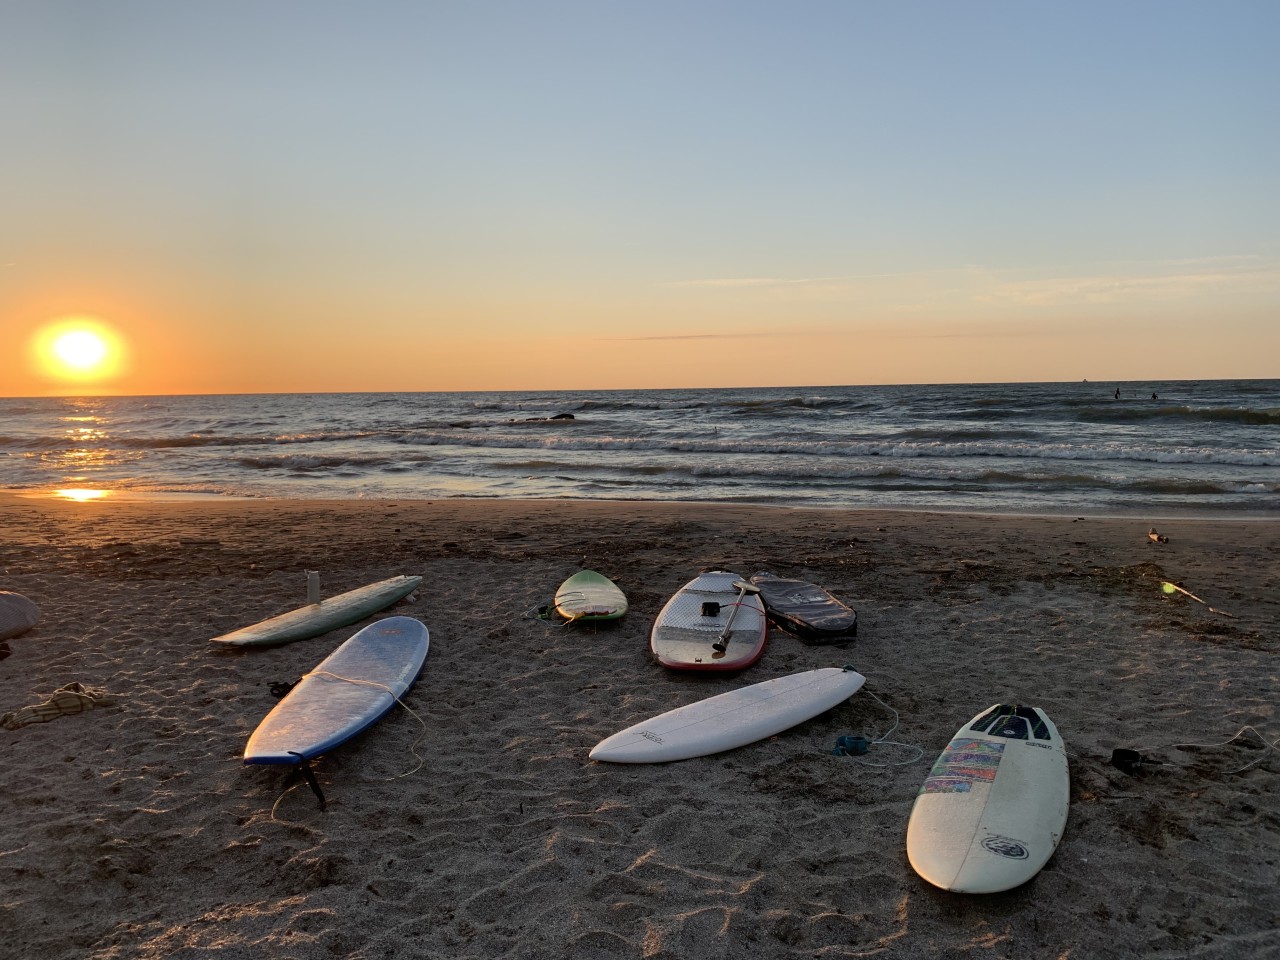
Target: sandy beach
(134, 830)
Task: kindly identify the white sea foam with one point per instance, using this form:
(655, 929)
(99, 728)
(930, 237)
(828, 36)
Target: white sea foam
(1201, 447)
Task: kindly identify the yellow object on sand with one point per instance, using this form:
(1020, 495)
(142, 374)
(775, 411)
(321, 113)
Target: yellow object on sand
(66, 700)
(1171, 588)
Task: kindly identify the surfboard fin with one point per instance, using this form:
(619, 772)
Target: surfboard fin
(314, 784)
(304, 768)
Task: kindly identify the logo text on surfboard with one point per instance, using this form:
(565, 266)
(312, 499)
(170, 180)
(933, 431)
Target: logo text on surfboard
(1005, 847)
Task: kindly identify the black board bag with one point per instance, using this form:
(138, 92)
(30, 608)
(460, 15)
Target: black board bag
(805, 609)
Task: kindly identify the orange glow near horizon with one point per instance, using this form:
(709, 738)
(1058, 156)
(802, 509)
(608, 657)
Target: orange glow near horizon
(82, 496)
(82, 349)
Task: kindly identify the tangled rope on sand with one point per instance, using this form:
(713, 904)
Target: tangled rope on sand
(67, 700)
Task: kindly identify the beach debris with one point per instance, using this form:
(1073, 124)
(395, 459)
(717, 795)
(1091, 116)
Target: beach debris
(1168, 587)
(1172, 588)
(1155, 537)
(67, 700)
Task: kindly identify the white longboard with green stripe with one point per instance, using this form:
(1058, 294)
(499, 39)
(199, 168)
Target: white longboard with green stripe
(588, 595)
(317, 618)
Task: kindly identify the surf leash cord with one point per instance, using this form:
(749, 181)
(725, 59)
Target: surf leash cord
(304, 765)
(1129, 761)
(856, 746)
(544, 613)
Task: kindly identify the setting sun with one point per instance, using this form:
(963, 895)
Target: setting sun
(81, 349)
(78, 348)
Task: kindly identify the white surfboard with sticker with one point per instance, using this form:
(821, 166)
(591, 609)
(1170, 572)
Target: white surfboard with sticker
(993, 808)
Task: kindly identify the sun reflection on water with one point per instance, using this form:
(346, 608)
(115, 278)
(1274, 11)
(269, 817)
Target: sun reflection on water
(81, 495)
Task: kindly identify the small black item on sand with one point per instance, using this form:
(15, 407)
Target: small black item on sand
(1128, 761)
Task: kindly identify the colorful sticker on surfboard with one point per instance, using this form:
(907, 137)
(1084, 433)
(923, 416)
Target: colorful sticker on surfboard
(962, 763)
(946, 785)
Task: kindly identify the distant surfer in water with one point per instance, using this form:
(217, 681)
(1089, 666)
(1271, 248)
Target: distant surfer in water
(1117, 393)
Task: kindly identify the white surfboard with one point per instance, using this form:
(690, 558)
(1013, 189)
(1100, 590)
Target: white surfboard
(710, 624)
(731, 719)
(317, 618)
(993, 808)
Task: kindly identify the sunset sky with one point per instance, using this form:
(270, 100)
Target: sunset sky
(319, 196)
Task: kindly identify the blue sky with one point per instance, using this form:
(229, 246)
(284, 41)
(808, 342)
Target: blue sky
(272, 195)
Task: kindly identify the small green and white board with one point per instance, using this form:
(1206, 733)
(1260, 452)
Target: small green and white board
(588, 595)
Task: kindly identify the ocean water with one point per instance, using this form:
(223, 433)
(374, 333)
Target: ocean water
(1169, 448)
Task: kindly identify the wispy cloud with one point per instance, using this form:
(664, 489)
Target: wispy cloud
(1110, 289)
(695, 336)
(1244, 260)
(970, 333)
(751, 281)
(1114, 283)
(850, 278)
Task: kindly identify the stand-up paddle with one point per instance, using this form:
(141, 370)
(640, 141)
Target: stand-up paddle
(722, 641)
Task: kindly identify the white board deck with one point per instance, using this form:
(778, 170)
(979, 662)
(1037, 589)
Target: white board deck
(317, 618)
(683, 636)
(993, 808)
(731, 719)
(588, 595)
(350, 691)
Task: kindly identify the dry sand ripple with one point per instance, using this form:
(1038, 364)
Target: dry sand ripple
(135, 832)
